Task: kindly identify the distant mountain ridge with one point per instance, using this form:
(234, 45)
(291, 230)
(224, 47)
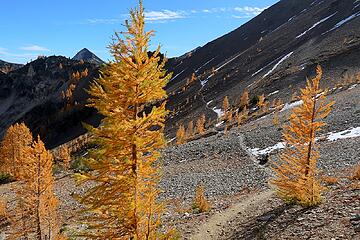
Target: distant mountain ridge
(7, 67)
(87, 56)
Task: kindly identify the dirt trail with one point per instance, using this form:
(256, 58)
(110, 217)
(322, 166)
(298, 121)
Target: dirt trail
(212, 228)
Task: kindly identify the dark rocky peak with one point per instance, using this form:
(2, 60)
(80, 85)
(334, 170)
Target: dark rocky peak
(87, 56)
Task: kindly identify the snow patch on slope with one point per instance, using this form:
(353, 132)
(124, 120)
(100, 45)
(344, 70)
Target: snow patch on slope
(350, 133)
(178, 74)
(226, 63)
(342, 22)
(291, 105)
(273, 93)
(218, 111)
(258, 151)
(197, 70)
(357, 2)
(352, 86)
(203, 83)
(313, 26)
(277, 64)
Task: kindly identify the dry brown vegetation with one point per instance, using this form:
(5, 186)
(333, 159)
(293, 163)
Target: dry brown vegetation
(356, 174)
(200, 203)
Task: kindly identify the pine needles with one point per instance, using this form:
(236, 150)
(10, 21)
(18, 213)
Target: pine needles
(296, 170)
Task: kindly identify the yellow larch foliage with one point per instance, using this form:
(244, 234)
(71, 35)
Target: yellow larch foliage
(76, 76)
(181, 135)
(200, 202)
(266, 107)
(3, 211)
(85, 73)
(36, 209)
(225, 107)
(242, 116)
(229, 121)
(261, 102)
(193, 78)
(200, 124)
(190, 130)
(64, 156)
(14, 149)
(296, 171)
(356, 175)
(244, 100)
(123, 203)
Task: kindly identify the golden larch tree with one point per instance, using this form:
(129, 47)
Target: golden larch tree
(200, 124)
(36, 210)
(229, 121)
(3, 211)
(190, 130)
(296, 170)
(14, 149)
(356, 174)
(226, 104)
(193, 78)
(64, 156)
(261, 102)
(181, 135)
(123, 204)
(244, 100)
(242, 116)
(225, 107)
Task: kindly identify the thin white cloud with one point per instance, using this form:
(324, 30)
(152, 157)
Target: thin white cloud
(164, 15)
(35, 48)
(249, 10)
(150, 16)
(17, 57)
(241, 16)
(170, 15)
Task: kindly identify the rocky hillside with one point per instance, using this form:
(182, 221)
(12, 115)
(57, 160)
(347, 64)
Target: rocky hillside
(35, 94)
(271, 54)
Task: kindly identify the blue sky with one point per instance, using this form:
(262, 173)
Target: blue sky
(63, 27)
